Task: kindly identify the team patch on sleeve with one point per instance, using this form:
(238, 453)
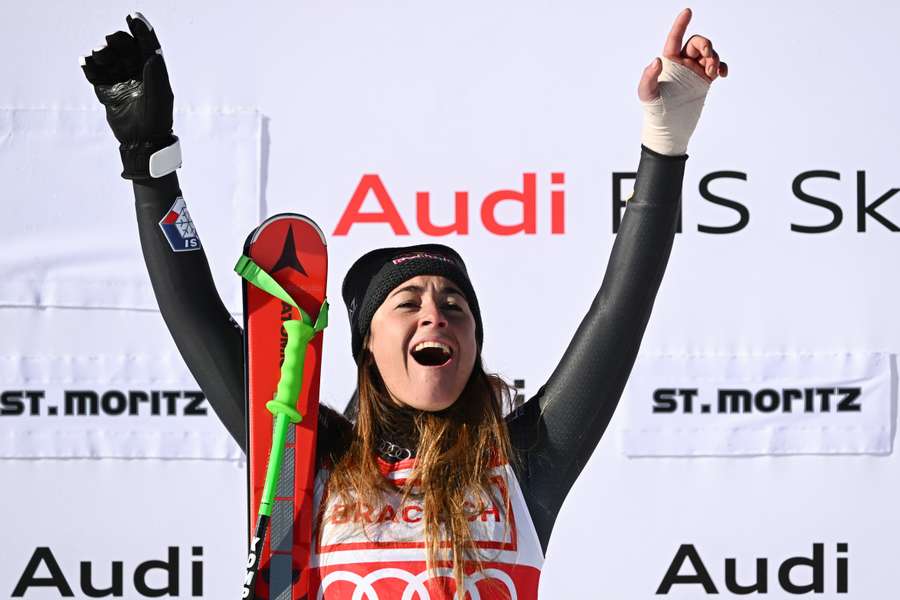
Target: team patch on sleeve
(179, 228)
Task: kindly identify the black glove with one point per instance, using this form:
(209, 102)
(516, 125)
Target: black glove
(131, 81)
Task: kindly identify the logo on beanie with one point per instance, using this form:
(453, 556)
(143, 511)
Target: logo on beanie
(417, 255)
(352, 308)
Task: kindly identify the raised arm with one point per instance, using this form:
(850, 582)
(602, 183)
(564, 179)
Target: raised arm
(209, 340)
(557, 430)
(130, 79)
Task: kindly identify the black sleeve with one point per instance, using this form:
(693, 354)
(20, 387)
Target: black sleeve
(556, 431)
(210, 341)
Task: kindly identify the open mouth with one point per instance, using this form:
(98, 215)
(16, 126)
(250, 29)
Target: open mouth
(432, 354)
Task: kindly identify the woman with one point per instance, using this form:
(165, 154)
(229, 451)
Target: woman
(432, 490)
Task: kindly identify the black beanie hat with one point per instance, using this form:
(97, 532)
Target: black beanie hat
(376, 273)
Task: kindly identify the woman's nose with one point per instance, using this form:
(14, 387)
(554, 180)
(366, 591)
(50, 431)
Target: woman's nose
(432, 315)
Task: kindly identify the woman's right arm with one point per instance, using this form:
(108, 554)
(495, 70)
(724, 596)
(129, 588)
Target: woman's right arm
(209, 340)
(131, 81)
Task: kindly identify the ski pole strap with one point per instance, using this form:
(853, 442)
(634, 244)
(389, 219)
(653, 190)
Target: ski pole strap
(254, 274)
(299, 333)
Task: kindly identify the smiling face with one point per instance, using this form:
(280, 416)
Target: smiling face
(423, 340)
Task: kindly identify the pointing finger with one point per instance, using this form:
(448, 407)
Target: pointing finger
(672, 47)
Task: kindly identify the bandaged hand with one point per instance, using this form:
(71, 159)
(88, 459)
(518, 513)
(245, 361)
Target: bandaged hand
(672, 89)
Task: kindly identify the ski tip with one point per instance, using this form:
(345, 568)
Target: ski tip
(282, 216)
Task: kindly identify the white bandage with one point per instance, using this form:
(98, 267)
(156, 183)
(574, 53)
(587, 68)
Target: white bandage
(670, 120)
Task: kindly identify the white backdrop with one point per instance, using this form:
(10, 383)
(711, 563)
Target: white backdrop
(471, 96)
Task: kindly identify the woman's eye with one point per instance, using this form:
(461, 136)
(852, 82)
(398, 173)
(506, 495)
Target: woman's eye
(453, 306)
(407, 304)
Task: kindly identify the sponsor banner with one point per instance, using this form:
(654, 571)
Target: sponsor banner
(106, 405)
(74, 243)
(824, 569)
(759, 404)
(123, 529)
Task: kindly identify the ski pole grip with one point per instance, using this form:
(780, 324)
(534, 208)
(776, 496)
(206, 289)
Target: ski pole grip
(299, 334)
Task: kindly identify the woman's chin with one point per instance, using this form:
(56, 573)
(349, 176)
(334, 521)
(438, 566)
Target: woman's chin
(429, 402)
(429, 389)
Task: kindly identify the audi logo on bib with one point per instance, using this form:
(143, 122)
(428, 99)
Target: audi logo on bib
(409, 586)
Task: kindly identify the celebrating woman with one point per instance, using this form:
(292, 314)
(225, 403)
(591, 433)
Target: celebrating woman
(432, 490)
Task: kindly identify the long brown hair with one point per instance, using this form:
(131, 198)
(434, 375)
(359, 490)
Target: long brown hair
(457, 448)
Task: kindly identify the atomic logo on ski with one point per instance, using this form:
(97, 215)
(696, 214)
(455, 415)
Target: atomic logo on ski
(179, 228)
(288, 258)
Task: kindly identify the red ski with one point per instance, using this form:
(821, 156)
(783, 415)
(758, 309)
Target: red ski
(290, 248)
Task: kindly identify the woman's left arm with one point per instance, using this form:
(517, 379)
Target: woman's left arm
(556, 431)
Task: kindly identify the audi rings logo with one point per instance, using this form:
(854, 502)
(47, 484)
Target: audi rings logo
(415, 584)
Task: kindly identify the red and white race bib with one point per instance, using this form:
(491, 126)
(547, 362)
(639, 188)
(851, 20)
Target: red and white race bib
(378, 552)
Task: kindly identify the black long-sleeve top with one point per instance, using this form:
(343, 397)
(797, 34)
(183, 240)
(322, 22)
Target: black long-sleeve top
(554, 433)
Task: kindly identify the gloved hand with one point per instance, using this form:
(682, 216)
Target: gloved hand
(131, 81)
(672, 89)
